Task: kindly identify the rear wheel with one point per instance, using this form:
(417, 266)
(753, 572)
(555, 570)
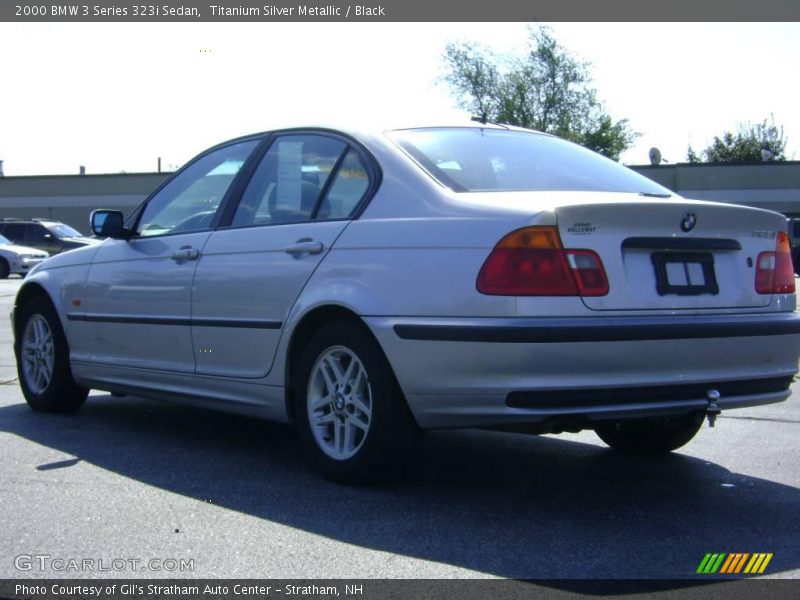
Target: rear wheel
(650, 436)
(351, 414)
(43, 360)
(5, 269)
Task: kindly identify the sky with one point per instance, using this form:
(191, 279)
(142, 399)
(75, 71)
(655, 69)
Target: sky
(114, 97)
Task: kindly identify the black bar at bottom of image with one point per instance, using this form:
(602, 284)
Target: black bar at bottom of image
(702, 587)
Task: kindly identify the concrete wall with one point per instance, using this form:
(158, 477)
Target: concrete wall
(72, 198)
(775, 186)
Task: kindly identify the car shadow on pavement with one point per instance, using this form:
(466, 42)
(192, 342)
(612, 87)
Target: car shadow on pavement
(508, 505)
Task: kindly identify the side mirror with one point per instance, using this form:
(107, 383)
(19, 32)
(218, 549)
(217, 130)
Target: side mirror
(108, 223)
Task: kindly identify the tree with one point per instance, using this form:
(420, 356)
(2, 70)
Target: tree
(547, 89)
(744, 146)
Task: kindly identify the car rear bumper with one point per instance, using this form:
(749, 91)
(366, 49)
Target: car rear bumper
(494, 372)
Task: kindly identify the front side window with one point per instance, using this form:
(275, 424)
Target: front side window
(38, 234)
(61, 230)
(190, 200)
(499, 160)
(289, 180)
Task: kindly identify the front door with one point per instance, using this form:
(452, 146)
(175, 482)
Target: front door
(138, 291)
(38, 236)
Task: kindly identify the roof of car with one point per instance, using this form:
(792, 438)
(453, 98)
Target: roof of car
(33, 220)
(365, 130)
(361, 128)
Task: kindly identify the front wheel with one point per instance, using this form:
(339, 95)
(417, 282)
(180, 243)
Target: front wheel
(651, 436)
(43, 360)
(351, 414)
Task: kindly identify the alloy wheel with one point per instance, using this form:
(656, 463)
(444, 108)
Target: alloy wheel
(339, 401)
(38, 354)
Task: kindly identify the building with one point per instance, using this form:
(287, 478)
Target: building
(771, 185)
(72, 198)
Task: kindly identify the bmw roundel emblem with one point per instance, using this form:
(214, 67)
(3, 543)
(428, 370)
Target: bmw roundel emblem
(688, 222)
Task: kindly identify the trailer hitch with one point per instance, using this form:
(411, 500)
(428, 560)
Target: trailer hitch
(713, 409)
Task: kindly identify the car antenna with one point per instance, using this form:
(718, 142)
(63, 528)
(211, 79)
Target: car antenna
(483, 120)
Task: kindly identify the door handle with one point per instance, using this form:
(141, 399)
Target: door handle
(186, 253)
(304, 246)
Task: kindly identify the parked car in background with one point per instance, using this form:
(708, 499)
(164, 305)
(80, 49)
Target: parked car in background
(794, 238)
(18, 259)
(49, 236)
(367, 285)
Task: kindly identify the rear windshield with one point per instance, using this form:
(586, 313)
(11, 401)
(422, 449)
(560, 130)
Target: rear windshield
(492, 160)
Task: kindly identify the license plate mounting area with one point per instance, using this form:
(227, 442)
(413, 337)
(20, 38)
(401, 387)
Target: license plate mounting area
(685, 273)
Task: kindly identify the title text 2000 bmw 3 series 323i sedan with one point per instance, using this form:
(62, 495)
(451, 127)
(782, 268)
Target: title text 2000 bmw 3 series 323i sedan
(366, 286)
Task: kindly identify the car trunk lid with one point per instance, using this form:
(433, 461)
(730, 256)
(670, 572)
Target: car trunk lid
(673, 254)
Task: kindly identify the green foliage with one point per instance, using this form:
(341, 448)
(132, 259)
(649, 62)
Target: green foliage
(745, 145)
(547, 89)
(692, 156)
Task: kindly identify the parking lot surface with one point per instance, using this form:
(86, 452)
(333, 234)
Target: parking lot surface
(145, 482)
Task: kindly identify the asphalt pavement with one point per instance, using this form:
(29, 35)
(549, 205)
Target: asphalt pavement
(137, 484)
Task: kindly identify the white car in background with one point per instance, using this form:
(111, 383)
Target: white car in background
(366, 286)
(18, 260)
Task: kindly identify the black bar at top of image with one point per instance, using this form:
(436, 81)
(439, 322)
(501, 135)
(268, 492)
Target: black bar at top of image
(270, 11)
(696, 588)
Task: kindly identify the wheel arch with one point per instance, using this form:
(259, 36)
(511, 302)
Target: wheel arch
(305, 328)
(58, 392)
(28, 292)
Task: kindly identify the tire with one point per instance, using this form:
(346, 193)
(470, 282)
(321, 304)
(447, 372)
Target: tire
(362, 426)
(651, 436)
(5, 269)
(43, 360)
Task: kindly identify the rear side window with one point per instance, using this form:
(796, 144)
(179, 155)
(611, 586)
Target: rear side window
(289, 180)
(14, 231)
(347, 190)
(498, 160)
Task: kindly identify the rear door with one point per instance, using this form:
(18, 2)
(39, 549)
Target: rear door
(298, 201)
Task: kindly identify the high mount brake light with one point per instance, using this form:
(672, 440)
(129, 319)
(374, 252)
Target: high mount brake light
(774, 270)
(532, 262)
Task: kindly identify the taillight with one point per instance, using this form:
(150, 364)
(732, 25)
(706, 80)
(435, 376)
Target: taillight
(532, 262)
(589, 272)
(774, 270)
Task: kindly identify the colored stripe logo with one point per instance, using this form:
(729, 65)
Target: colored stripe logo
(733, 563)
